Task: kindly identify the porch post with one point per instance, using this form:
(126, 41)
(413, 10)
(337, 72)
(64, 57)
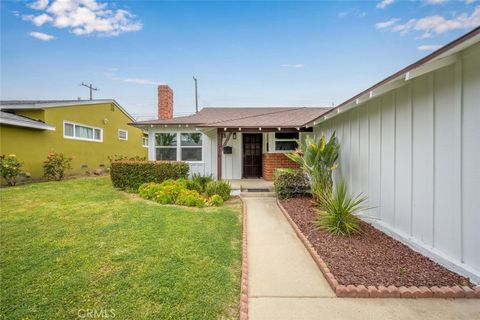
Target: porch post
(219, 153)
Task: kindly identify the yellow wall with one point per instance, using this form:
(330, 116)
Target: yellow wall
(32, 146)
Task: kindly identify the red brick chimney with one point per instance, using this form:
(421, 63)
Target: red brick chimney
(165, 102)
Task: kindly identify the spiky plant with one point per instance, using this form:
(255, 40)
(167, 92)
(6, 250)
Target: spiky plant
(338, 208)
(318, 159)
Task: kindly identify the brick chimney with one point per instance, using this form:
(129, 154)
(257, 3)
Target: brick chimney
(165, 102)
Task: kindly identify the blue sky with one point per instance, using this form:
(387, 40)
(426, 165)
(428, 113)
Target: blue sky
(243, 53)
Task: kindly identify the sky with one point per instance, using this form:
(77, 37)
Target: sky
(268, 53)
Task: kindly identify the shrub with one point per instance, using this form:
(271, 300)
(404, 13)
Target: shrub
(318, 159)
(194, 185)
(55, 166)
(10, 168)
(290, 183)
(129, 175)
(337, 214)
(201, 180)
(215, 201)
(119, 157)
(190, 198)
(220, 187)
(171, 192)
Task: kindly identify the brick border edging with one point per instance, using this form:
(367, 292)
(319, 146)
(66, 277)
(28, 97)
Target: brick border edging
(244, 279)
(360, 291)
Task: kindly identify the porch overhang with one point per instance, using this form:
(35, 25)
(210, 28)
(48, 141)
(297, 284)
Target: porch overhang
(262, 129)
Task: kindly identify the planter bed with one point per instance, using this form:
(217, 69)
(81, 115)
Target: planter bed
(372, 264)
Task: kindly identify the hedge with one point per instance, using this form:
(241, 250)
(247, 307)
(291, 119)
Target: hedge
(290, 183)
(129, 175)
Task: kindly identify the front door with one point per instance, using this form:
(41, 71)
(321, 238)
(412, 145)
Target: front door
(252, 155)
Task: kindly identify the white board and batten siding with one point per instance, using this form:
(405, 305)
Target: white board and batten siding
(208, 165)
(415, 152)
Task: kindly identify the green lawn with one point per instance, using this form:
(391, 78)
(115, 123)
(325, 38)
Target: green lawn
(77, 245)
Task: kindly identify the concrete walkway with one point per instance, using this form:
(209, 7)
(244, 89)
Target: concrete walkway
(285, 282)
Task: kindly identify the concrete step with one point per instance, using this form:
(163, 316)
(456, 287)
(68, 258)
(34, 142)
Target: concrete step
(257, 194)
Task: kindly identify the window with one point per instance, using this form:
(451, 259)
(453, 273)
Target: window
(286, 141)
(122, 134)
(82, 132)
(191, 146)
(189, 149)
(166, 146)
(145, 142)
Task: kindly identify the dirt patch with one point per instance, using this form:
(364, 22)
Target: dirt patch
(371, 257)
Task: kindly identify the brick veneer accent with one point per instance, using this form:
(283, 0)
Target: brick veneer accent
(360, 291)
(165, 102)
(272, 161)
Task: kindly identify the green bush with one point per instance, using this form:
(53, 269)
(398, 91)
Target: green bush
(337, 213)
(55, 166)
(10, 168)
(215, 201)
(129, 175)
(201, 180)
(220, 187)
(190, 198)
(290, 183)
(172, 192)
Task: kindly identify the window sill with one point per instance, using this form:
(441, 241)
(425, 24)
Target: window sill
(82, 139)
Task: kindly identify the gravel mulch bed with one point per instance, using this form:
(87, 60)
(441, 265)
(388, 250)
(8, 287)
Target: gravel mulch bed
(370, 258)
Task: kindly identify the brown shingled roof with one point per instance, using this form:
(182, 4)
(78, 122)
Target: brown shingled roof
(246, 117)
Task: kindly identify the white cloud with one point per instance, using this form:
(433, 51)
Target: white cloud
(434, 2)
(84, 17)
(38, 20)
(41, 36)
(432, 25)
(470, 1)
(386, 24)
(39, 4)
(133, 80)
(352, 12)
(286, 65)
(384, 3)
(429, 47)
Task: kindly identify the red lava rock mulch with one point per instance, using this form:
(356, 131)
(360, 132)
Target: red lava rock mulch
(370, 258)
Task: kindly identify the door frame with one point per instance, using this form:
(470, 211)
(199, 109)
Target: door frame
(261, 153)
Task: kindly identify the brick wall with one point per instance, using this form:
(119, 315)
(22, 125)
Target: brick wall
(272, 161)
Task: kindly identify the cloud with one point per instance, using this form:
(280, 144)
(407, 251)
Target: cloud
(15, 13)
(384, 3)
(435, 2)
(429, 47)
(41, 36)
(84, 17)
(133, 80)
(433, 25)
(286, 65)
(38, 20)
(352, 12)
(386, 24)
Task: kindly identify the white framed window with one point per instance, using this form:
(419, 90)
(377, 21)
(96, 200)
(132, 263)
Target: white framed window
(122, 134)
(179, 146)
(72, 130)
(145, 142)
(286, 141)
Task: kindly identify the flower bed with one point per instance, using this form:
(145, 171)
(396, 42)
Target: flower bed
(373, 261)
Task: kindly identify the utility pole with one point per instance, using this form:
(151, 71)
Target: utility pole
(89, 87)
(196, 95)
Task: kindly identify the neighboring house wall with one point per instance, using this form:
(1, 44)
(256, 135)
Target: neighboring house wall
(415, 152)
(32, 146)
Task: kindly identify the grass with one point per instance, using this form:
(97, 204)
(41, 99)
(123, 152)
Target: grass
(77, 245)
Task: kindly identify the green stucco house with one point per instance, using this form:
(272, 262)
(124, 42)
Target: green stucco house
(90, 131)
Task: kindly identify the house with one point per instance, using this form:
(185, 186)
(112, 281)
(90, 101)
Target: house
(411, 143)
(90, 130)
(228, 143)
